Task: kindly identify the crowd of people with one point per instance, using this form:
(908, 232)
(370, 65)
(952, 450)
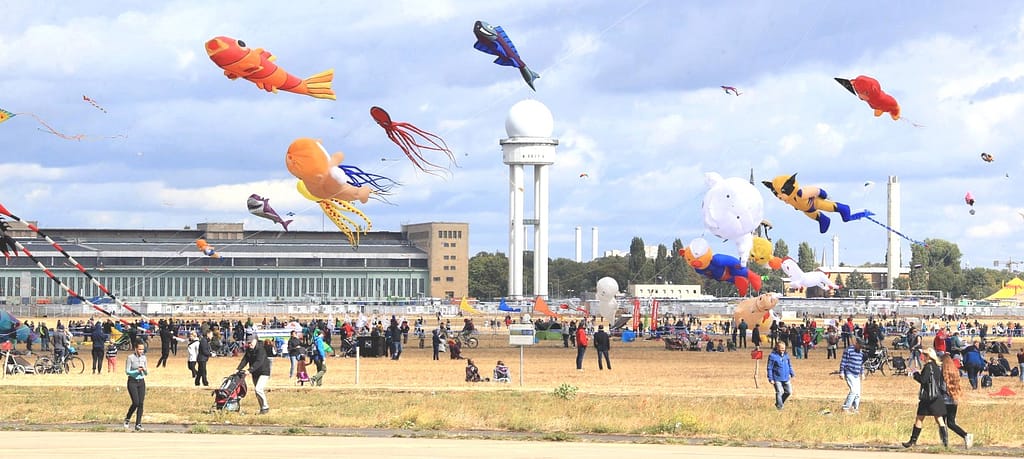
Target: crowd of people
(940, 355)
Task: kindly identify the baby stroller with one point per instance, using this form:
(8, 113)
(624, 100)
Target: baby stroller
(899, 366)
(348, 347)
(229, 395)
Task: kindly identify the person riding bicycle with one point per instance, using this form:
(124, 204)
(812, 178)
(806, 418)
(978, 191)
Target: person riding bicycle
(467, 328)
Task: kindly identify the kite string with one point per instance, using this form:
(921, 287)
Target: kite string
(904, 236)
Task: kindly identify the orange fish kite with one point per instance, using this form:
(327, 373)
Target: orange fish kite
(257, 65)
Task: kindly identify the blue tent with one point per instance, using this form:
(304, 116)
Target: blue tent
(505, 307)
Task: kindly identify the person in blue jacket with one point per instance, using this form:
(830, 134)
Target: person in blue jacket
(974, 362)
(780, 372)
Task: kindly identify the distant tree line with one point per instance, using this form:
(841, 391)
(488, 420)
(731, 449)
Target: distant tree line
(934, 266)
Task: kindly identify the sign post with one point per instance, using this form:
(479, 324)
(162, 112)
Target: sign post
(521, 335)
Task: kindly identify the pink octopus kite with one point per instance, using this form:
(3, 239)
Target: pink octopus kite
(405, 136)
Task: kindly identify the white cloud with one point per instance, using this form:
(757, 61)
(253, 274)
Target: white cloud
(642, 115)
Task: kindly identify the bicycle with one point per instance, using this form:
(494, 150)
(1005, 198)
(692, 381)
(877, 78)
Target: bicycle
(70, 364)
(879, 360)
(468, 339)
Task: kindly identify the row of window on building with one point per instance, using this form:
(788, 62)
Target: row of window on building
(449, 234)
(217, 286)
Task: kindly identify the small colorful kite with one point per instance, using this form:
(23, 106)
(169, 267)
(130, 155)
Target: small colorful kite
(93, 103)
(868, 90)
(494, 41)
(6, 115)
(405, 136)
(257, 66)
(206, 248)
(987, 157)
(731, 89)
(969, 200)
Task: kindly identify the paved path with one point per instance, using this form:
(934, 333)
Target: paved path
(106, 445)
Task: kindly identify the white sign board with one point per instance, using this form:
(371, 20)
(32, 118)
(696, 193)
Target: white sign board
(520, 334)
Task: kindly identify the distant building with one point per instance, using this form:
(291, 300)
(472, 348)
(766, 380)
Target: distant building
(422, 260)
(665, 291)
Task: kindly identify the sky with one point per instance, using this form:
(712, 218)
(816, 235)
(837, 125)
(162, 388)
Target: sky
(633, 86)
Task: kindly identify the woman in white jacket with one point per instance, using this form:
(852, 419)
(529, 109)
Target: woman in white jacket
(193, 352)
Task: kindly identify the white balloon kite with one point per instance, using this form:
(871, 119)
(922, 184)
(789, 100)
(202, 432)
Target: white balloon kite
(733, 209)
(607, 288)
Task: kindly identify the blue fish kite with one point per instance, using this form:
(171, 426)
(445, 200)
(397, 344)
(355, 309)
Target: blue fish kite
(493, 40)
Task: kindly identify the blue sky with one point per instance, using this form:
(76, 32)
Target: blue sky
(633, 87)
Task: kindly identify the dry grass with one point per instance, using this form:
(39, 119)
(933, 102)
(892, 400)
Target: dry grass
(650, 391)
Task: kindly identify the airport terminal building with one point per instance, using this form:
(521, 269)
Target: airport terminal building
(424, 260)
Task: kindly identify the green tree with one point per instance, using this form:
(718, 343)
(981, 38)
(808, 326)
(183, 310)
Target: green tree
(641, 270)
(856, 281)
(805, 257)
(980, 282)
(781, 249)
(901, 283)
(936, 266)
(488, 275)
(661, 264)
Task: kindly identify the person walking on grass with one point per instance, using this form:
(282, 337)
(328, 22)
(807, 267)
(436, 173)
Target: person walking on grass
(602, 344)
(780, 374)
(931, 398)
(259, 367)
(954, 394)
(205, 352)
(851, 368)
(136, 368)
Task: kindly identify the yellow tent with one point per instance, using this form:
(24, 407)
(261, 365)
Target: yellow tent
(464, 305)
(1011, 289)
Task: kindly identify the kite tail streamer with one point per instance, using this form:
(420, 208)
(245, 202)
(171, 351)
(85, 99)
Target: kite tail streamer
(103, 288)
(904, 236)
(64, 286)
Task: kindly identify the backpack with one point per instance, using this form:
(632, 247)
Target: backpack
(986, 381)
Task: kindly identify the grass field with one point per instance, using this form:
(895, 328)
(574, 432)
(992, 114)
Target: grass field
(651, 391)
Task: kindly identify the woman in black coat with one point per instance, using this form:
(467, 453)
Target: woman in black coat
(931, 398)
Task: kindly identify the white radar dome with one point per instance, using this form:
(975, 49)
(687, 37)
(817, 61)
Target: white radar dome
(529, 118)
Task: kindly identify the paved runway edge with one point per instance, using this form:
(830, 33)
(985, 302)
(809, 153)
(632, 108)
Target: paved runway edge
(552, 437)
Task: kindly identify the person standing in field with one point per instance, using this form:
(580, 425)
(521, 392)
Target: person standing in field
(136, 368)
(851, 368)
(111, 353)
(602, 343)
(780, 372)
(741, 333)
(193, 353)
(581, 346)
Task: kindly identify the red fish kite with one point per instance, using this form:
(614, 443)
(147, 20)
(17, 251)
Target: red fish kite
(868, 90)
